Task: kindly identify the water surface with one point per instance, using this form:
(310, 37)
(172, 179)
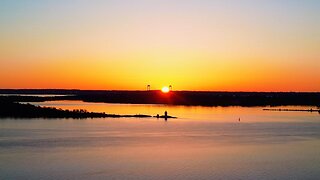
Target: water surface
(203, 143)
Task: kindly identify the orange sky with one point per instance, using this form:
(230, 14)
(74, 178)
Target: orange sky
(191, 45)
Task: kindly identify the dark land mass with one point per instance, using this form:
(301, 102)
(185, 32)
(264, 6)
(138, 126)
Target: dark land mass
(201, 98)
(9, 109)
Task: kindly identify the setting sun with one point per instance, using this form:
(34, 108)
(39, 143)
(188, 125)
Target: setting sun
(165, 89)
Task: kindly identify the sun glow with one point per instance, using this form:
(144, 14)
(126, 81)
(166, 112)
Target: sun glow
(160, 48)
(165, 89)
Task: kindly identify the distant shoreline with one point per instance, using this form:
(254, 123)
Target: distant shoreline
(193, 98)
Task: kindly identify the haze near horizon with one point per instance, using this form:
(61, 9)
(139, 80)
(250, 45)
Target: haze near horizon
(243, 45)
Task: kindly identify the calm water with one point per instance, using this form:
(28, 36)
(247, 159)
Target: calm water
(203, 143)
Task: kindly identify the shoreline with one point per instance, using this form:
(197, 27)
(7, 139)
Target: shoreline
(9, 109)
(187, 98)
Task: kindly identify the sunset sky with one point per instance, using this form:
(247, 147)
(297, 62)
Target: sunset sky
(229, 45)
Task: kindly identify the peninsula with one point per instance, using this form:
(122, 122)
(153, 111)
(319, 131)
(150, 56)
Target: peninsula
(9, 109)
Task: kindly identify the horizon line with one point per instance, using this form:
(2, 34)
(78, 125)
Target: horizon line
(71, 89)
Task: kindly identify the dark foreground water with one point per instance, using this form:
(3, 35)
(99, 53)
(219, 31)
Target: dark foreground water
(203, 143)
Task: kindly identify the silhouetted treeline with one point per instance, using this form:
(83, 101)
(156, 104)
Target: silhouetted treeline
(17, 110)
(205, 98)
(175, 97)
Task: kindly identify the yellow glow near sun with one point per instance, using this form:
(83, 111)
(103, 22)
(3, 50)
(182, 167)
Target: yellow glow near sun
(165, 89)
